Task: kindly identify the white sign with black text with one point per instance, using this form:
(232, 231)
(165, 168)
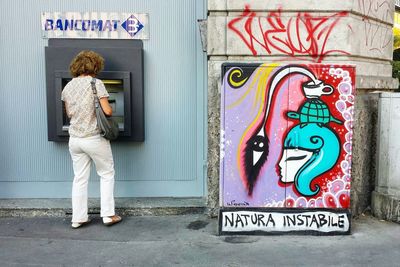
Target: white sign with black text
(270, 221)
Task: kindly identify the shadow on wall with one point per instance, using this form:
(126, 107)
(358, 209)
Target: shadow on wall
(364, 152)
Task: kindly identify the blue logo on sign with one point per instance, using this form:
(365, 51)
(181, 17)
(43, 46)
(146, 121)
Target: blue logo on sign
(132, 25)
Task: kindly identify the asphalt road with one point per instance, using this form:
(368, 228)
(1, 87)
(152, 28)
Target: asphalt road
(188, 240)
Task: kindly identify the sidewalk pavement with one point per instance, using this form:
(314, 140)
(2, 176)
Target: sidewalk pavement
(188, 240)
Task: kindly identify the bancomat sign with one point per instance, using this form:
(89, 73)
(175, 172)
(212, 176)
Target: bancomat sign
(104, 25)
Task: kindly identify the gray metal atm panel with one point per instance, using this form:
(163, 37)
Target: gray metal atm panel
(120, 110)
(124, 56)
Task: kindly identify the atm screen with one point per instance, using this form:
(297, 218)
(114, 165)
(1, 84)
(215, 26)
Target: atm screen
(115, 89)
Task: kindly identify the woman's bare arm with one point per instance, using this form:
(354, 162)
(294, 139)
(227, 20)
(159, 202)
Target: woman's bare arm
(107, 109)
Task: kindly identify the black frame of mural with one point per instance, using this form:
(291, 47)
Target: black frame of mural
(225, 67)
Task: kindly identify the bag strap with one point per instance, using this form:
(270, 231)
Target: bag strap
(93, 83)
(96, 99)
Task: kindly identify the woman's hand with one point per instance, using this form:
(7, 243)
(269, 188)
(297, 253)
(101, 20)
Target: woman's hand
(107, 109)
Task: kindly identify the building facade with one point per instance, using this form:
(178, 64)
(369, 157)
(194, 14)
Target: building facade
(284, 32)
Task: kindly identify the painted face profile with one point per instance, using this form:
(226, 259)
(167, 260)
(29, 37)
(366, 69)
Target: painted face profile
(291, 162)
(309, 150)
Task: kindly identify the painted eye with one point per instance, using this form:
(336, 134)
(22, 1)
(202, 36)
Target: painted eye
(258, 143)
(296, 158)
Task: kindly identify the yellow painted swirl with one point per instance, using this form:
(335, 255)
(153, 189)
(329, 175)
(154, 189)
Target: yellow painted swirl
(237, 73)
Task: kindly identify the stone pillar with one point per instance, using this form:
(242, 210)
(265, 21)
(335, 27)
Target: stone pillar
(308, 31)
(386, 196)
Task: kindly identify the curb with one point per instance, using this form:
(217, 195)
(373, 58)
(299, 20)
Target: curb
(123, 206)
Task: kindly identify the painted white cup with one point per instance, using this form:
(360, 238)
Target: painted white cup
(315, 90)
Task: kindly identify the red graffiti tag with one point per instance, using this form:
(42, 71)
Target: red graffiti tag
(301, 35)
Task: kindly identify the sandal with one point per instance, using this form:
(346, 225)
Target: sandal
(76, 225)
(108, 221)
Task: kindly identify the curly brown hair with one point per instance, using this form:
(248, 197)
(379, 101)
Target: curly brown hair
(86, 63)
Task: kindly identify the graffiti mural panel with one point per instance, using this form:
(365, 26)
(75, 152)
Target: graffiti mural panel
(286, 135)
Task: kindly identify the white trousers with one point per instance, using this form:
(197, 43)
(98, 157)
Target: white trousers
(83, 151)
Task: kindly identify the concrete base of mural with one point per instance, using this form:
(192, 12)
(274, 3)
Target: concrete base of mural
(261, 221)
(386, 206)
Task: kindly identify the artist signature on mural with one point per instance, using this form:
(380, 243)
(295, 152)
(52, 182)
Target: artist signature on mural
(233, 203)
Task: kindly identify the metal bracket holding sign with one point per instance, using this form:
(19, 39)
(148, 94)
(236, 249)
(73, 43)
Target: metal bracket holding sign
(95, 25)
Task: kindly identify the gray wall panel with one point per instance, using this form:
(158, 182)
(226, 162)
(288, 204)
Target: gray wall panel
(172, 150)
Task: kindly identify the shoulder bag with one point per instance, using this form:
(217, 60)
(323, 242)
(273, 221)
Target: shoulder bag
(108, 126)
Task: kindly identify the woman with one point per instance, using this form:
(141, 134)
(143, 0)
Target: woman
(85, 143)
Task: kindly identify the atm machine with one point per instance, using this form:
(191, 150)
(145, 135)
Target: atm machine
(122, 76)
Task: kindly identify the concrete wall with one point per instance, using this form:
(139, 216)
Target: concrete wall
(386, 196)
(324, 31)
